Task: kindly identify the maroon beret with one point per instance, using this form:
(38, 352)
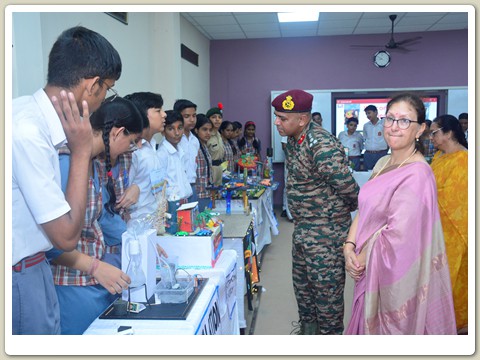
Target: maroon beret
(293, 101)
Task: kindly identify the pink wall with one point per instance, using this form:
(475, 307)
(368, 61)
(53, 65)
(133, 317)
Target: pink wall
(244, 72)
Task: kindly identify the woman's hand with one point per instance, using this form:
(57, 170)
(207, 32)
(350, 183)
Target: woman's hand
(354, 265)
(111, 278)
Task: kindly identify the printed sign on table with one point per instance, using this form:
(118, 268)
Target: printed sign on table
(211, 320)
(231, 290)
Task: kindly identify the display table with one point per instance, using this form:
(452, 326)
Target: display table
(225, 271)
(264, 221)
(215, 305)
(237, 235)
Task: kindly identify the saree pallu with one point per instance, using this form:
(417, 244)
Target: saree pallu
(451, 174)
(406, 286)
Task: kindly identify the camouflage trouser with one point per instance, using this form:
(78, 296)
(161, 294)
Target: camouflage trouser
(319, 274)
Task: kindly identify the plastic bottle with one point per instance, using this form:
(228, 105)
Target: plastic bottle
(134, 269)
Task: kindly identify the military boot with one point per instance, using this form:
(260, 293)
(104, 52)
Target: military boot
(309, 328)
(303, 328)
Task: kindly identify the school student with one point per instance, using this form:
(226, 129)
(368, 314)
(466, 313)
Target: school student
(226, 130)
(83, 66)
(249, 143)
(84, 282)
(203, 131)
(145, 168)
(189, 142)
(215, 144)
(353, 141)
(172, 164)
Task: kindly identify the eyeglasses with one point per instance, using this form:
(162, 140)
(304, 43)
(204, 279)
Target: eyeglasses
(402, 123)
(133, 144)
(432, 134)
(112, 94)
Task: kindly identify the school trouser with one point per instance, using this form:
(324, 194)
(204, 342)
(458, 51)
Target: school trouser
(35, 307)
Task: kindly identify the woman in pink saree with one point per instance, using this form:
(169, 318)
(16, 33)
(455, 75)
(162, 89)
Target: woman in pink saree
(395, 249)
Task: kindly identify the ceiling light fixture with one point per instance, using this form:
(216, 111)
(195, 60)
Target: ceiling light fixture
(297, 16)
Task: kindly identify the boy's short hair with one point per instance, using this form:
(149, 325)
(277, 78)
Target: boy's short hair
(172, 117)
(144, 101)
(183, 104)
(463, 116)
(371, 108)
(80, 53)
(352, 119)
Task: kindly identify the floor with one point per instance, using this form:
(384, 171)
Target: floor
(275, 306)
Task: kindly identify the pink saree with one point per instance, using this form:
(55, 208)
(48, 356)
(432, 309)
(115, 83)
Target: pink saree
(406, 286)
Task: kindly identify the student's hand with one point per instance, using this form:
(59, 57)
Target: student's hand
(129, 197)
(355, 266)
(77, 128)
(111, 278)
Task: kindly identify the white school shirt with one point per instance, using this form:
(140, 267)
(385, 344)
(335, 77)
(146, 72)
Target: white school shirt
(353, 142)
(37, 195)
(144, 161)
(172, 163)
(373, 135)
(190, 146)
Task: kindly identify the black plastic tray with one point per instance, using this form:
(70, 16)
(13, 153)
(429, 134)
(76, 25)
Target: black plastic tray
(118, 310)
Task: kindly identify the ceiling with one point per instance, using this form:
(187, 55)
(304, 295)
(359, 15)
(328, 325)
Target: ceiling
(257, 25)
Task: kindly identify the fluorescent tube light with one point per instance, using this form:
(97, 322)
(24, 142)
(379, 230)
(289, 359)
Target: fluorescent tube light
(297, 16)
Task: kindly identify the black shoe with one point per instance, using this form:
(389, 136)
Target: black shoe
(284, 213)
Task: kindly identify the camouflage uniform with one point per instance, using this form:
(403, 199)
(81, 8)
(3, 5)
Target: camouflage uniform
(321, 194)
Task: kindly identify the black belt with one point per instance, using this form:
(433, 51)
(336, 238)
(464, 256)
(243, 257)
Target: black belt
(216, 162)
(354, 157)
(375, 151)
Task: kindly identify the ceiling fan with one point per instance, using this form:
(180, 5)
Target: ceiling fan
(392, 44)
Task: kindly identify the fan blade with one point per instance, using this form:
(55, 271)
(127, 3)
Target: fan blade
(409, 41)
(366, 46)
(400, 49)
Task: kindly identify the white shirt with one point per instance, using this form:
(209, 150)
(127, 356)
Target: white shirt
(172, 162)
(37, 195)
(373, 135)
(353, 142)
(144, 161)
(190, 146)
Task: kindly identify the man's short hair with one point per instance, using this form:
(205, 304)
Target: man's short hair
(371, 108)
(183, 104)
(172, 117)
(80, 53)
(352, 119)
